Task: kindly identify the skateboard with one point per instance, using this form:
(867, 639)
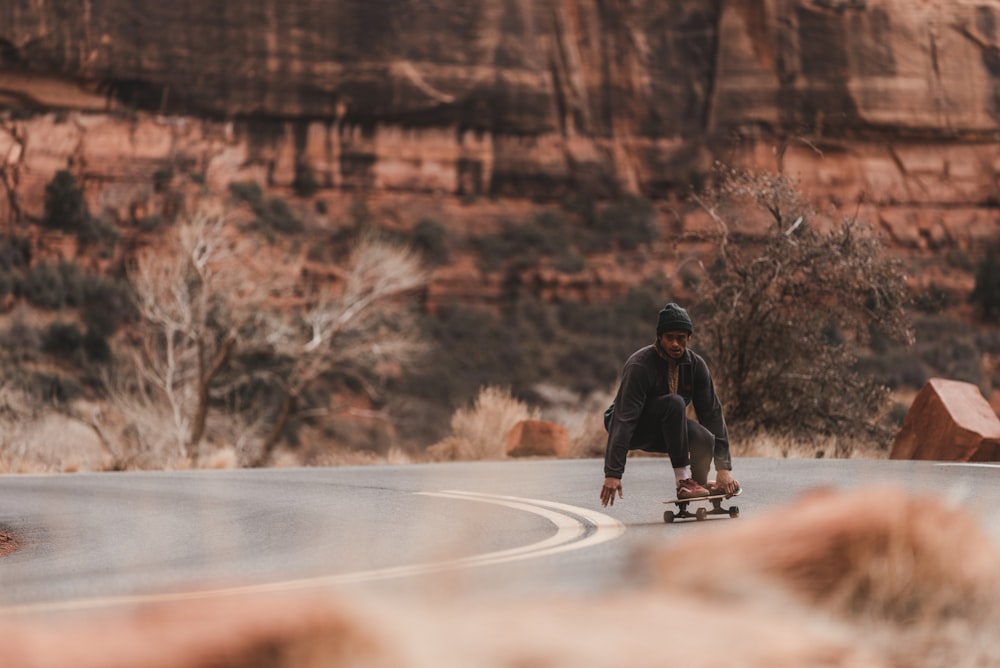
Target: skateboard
(716, 500)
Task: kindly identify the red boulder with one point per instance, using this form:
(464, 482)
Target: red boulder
(537, 438)
(949, 420)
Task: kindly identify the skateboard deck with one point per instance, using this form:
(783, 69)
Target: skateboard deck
(682, 512)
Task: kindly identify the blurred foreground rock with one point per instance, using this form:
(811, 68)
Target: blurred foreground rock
(949, 421)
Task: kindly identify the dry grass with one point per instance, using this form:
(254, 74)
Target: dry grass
(783, 447)
(33, 440)
(477, 433)
(394, 456)
(832, 584)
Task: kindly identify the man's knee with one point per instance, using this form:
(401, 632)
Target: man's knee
(670, 406)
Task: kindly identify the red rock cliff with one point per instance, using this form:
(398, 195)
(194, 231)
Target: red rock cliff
(533, 98)
(893, 102)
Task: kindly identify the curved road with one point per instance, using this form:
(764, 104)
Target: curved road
(502, 529)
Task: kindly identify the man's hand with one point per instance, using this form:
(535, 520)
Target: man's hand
(725, 481)
(611, 485)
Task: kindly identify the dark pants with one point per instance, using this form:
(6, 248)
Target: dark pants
(664, 427)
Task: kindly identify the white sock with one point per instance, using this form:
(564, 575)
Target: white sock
(683, 473)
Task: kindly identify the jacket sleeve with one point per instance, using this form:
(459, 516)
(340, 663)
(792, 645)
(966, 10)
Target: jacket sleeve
(708, 408)
(628, 407)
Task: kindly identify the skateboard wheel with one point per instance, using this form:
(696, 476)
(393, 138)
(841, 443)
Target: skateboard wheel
(734, 511)
(701, 514)
(668, 516)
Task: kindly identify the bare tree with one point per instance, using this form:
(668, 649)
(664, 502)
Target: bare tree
(354, 327)
(196, 302)
(207, 299)
(786, 314)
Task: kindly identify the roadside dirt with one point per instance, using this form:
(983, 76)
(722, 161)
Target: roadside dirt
(7, 544)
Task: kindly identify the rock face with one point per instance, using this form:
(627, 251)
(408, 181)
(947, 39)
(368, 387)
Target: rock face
(890, 98)
(537, 438)
(884, 109)
(949, 421)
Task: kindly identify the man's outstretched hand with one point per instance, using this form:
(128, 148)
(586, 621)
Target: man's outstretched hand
(725, 481)
(611, 485)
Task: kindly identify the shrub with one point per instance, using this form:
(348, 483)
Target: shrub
(305, 184)
(98, 232)
(52, 388)
(548, 235)
(783, 319)
(431, 240)
(986, 293)
(248, 192)
(478, 432)
(62, 339)
(933, 300)
(272, 214)
(629, 223)
(106, 304)
(20, 339)
(949, 349)
(64, 206)
(275, 215)
(625, 225)
(96, 347)
(51, 284)
(15, 252)
(162, 178)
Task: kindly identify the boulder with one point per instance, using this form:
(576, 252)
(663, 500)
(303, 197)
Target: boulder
(949, 421)
(537, 438)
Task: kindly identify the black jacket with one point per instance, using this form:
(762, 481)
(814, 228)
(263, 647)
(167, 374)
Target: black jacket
(645, 375)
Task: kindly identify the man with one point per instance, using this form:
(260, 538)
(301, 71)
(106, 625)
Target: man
(649, 413)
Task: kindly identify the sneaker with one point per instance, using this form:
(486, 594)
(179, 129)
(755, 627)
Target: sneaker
(689, 489)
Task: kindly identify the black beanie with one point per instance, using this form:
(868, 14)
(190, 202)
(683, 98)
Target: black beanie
(673, 318)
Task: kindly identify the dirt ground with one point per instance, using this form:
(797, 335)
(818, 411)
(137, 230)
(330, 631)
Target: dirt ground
(831, 585)
(7, 544)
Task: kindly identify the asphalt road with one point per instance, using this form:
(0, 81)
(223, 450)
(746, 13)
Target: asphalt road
(487, 529)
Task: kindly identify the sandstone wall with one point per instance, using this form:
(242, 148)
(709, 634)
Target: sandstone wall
(897, 99)
(887, 108)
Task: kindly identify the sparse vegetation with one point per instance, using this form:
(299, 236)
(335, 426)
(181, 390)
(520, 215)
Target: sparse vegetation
(306, 184)
(784, 318)
(430, 239)
(986, 293)
(572, 345)
(625, 224)
(561, 237)
(216, 342)
(64, 206)
(271, 214)
(526, 339)
(478, 432)
(66, 211)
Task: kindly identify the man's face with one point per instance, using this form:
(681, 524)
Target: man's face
(674, 343)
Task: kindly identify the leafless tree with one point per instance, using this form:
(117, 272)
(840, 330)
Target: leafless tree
(195, 300)
(356, 326)
(207, 298)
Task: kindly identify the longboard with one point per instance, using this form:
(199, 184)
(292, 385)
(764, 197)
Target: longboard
(682, 512)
